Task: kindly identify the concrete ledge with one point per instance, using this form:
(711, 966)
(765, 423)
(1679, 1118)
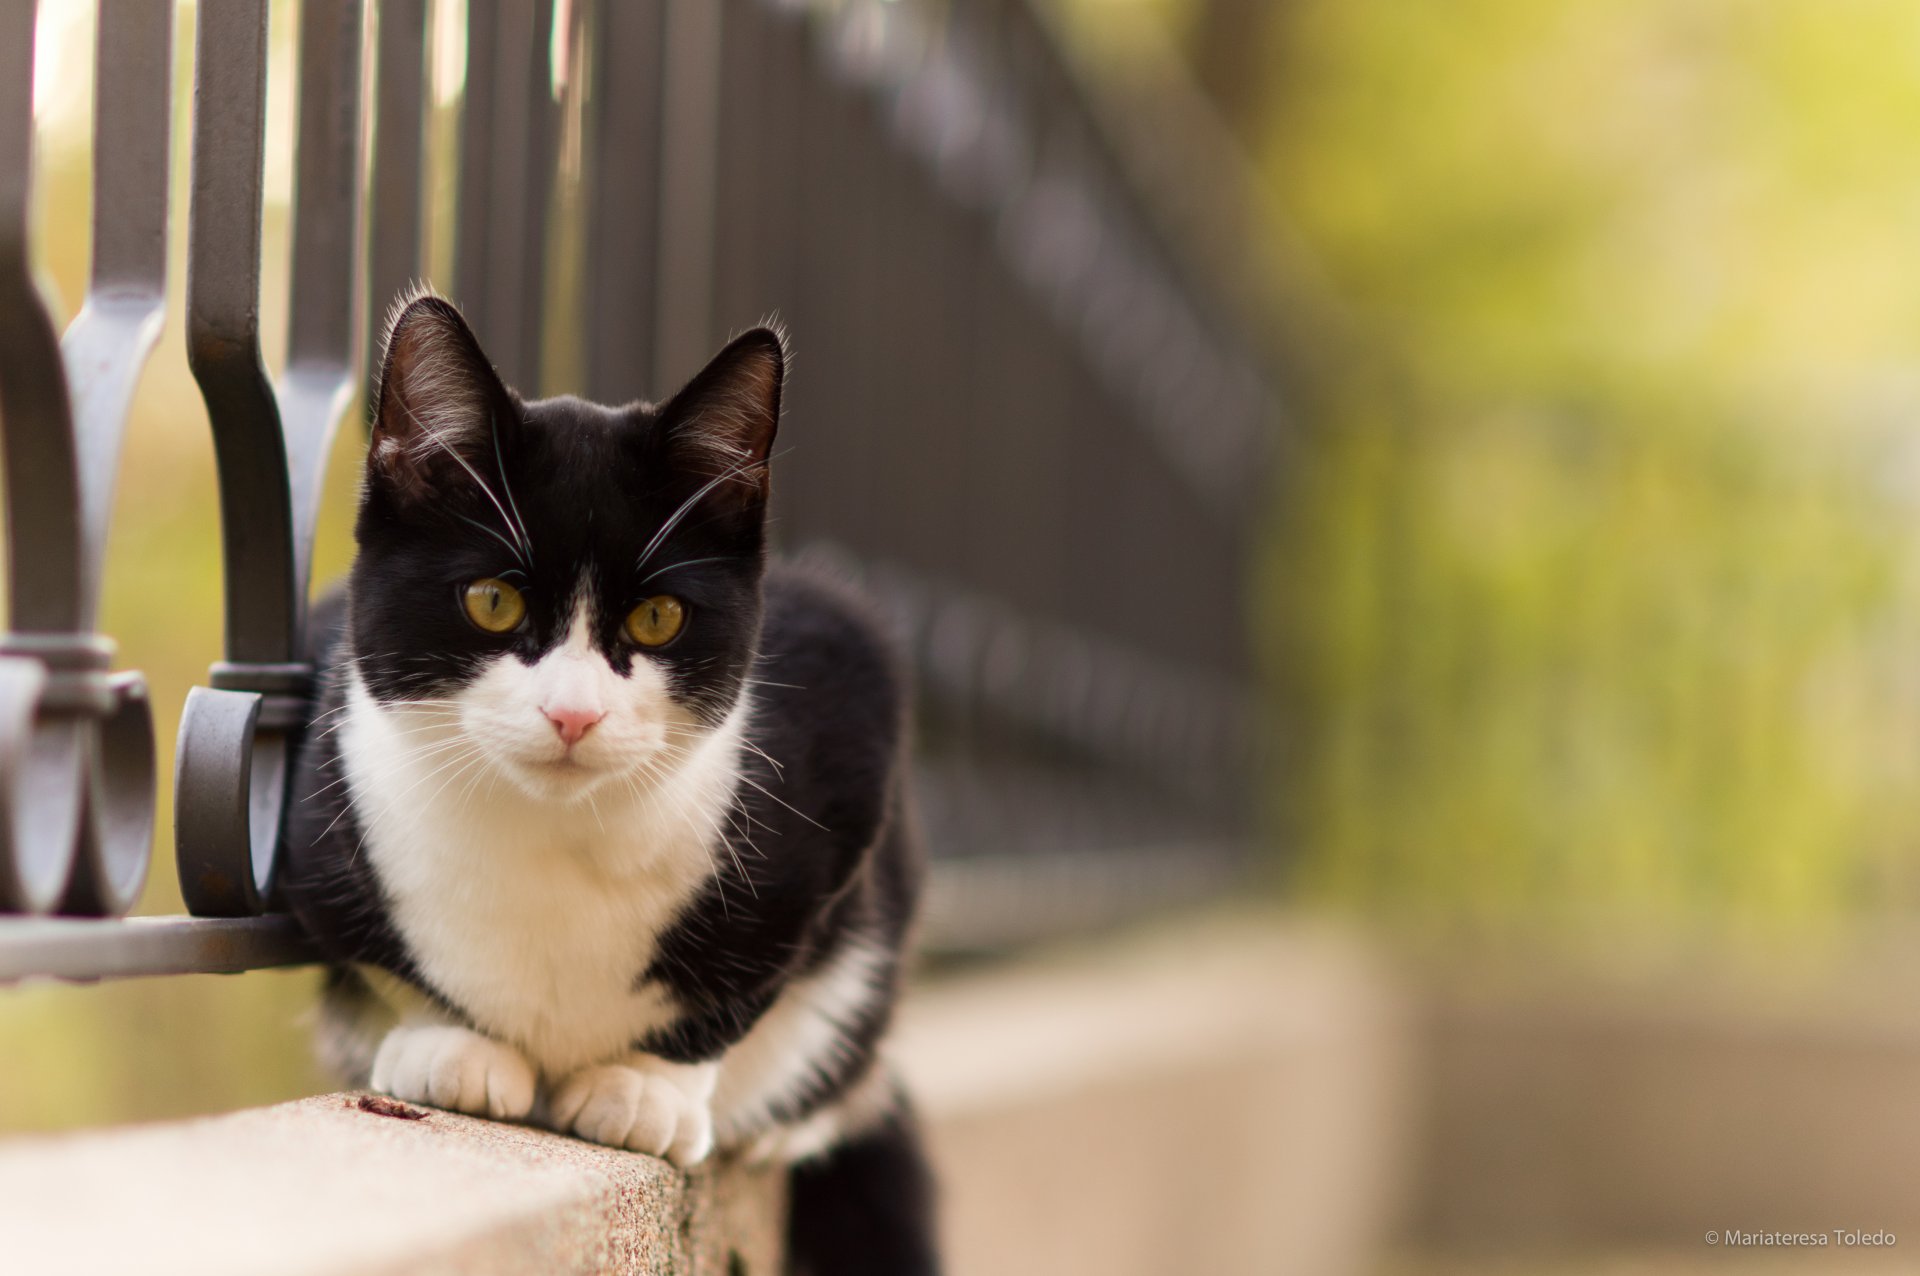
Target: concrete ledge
(331, 1185)
(1225, 1094)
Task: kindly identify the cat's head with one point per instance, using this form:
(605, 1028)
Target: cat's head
(564, 593)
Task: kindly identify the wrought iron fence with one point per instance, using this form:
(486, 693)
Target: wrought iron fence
(1017, 418)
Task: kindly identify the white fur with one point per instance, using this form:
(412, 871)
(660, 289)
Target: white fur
(531, 882)
(454, 1067)
(645, 1104)
(804, 1028)
(866, 1104)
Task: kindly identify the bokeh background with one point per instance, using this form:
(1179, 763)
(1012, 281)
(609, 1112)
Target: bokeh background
(1587, 597)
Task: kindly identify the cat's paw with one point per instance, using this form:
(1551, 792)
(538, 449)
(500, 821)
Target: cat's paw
(624, 1107)
(454, 1068)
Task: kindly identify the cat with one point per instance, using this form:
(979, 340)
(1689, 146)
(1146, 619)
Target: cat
(601, 821)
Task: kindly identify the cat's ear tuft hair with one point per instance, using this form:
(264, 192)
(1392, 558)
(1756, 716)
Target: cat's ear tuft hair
(721, 426)
(438, 402)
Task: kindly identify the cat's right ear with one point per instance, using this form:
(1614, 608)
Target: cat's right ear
(439, 403)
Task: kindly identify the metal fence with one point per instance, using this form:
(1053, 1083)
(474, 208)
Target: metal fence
(1016, 417)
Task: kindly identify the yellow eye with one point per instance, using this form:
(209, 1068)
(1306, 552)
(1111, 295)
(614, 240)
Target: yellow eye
(654, 622)
(494, 605)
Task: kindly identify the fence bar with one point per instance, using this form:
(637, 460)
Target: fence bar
(76, 772)
(236, 735)
(506, 181)
(399, 163)
(323, 338)
(689, 136)
(45, 572)
(622, 191)
(109, 341)
(223, 327)
(89, 950)
(225, 857)
(473, 215)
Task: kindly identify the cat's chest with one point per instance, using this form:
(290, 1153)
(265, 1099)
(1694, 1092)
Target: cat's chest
(537, 927)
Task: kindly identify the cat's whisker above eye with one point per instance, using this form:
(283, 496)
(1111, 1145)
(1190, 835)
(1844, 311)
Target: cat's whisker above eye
(506, 484)
(687, 562)
(686, 506)
(523, 550)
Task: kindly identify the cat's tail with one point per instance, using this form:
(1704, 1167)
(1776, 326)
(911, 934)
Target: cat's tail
(866, 1206)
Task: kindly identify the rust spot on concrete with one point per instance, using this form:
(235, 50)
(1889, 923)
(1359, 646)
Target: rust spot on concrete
(381, 1106)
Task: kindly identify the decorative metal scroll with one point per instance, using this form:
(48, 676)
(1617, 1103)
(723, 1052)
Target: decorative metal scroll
(76, 740)
(271, 441)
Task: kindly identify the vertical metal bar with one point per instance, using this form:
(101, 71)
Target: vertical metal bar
(44, 542)
(622, 195)
(689, 134)
(271, 446)
(507, 156)
(223, 328)
(510, 281)
(109, 341)
(742, 287)
(399, 162)
(473, 218)
(41, 754)
(323, 340)
(790, 91)
(221, 871)
(104, 351)
(77, 768)
(824, 461)
(539, 154)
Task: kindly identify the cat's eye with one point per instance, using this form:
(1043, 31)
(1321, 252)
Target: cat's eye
(494, 605)
(655, 622)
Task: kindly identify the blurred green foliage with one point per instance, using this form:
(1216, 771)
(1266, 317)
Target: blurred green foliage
(1589, 600)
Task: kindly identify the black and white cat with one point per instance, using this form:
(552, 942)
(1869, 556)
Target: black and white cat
(602, 816)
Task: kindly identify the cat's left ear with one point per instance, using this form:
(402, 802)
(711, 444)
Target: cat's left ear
(720, 428)
(439, 404)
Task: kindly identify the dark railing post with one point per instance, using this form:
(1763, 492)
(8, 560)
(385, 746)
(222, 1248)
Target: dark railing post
(689, 136)
(104, 351)
(271, 442)
(507, 142)
(78, 770)
(399, 162)
(622, 193)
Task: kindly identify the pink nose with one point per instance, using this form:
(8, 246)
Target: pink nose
(571, 722)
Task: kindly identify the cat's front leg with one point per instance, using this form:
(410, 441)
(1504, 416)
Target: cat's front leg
(642, 1103)
(448, 1066)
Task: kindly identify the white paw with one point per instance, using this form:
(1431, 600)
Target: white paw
(454, 1068)
(624, 1107)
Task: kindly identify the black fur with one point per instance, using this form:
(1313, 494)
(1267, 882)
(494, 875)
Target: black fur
(833, 853)
(866, 1207)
